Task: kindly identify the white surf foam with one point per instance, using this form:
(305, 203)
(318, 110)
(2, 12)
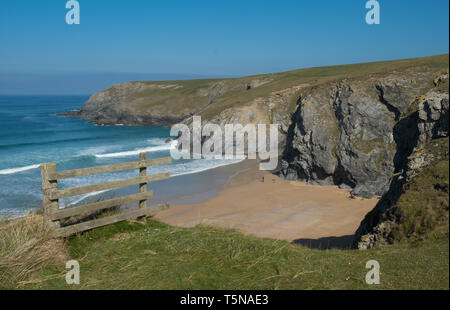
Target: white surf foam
(19, 169)
(159, 148)
(200, 165)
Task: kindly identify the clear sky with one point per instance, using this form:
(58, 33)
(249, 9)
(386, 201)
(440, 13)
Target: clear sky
(214, 37)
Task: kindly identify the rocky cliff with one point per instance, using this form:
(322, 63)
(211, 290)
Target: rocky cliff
(374, 136)
(416, 204)
(358, 132)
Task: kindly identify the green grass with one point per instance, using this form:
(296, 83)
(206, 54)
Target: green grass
(423, 208)
(26, 248)
(153, 255)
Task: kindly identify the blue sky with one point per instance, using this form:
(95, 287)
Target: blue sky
(213, 37)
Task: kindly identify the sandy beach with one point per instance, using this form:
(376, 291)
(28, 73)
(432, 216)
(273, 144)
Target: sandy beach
(261, 204)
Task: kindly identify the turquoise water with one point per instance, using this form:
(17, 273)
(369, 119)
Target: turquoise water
(31, 133)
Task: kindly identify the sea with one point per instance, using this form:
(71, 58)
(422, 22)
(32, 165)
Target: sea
(32, 133)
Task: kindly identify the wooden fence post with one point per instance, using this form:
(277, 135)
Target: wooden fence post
(49, 185)
(143, 186)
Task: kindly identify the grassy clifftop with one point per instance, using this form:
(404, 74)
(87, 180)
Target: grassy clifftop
(152, 255)
(163, 103)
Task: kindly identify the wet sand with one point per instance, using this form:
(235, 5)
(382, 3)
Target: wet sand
(275, 208)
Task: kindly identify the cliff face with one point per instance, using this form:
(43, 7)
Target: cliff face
(355, 133)
(416, 204)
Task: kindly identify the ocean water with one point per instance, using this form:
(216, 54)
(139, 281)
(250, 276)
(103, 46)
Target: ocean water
(32, 133)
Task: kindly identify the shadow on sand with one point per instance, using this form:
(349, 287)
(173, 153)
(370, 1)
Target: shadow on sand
(327, 243)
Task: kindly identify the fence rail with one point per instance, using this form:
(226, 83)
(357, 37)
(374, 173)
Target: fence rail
(51, 194)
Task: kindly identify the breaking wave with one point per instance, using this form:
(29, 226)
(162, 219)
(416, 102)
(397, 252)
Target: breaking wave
(19, 169)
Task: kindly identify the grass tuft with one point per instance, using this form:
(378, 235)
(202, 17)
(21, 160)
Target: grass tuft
(26, 248)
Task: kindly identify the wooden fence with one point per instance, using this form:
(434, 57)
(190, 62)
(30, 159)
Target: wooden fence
(53, 214)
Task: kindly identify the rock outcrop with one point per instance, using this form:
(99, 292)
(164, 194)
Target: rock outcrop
(433, 117)
(428, 123)
(349, 134)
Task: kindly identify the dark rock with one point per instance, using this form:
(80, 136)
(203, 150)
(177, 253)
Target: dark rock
(360, 133)
(433, 117)
(412, 132)
(344, 186)
(342, 136)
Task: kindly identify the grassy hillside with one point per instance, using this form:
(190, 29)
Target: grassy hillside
(317, 76)
(208, 97)
(152, 255)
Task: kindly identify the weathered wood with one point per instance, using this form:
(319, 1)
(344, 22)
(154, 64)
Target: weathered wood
(73, 229)
(90, 208)
(110, 168)
(50, 204)
(51, 194)
(107, 185)
(143, 186)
